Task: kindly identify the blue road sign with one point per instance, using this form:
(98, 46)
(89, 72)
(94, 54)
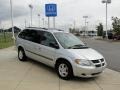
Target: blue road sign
(51, 10)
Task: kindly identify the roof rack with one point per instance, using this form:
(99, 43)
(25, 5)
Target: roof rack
(56, 29)
(38, 28)
(46, 28)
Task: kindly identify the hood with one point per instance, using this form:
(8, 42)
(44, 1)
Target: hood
(87, 54)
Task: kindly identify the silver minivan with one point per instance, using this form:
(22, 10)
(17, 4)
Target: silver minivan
(60, 50)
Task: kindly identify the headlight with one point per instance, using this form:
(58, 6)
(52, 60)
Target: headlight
(83, 62)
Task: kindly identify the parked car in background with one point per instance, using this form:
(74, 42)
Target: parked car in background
(110, 35)
(116, 37)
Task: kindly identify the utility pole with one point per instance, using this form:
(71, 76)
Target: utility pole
(106, 20)
(54, 22)
(48, 22)
(13, 35)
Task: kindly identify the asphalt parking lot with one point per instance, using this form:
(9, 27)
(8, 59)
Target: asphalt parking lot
(31, 75)
(109, 49)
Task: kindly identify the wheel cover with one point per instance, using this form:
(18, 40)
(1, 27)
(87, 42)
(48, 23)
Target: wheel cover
(63, 70)
(20, 54)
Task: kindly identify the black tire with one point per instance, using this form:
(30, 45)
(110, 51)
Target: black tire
(70, 70)
(23, 58)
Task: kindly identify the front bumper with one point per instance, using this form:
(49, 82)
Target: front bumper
(83, 71)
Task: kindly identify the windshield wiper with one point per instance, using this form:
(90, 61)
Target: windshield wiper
(79, 46)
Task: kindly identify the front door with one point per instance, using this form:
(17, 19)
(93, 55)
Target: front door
(45, 50)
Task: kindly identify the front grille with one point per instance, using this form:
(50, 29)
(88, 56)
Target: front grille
(99, 62)
(99, 65)
(95, 61)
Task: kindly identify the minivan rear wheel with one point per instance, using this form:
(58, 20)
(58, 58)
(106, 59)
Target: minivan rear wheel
(21, 55)
(64, 70)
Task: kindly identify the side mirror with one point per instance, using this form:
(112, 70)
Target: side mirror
(56, 46)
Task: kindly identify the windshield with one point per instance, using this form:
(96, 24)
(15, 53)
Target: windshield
(69, 41)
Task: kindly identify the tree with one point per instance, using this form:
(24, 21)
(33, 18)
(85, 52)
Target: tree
(71, 30)
(16, 29)
(116, 25)
(100, 29)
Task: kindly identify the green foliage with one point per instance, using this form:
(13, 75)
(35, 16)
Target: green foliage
(5, 40)
(116, 25)
(72, 30)
(100, 29)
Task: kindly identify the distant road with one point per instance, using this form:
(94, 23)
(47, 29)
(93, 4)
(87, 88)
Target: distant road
(110, 50)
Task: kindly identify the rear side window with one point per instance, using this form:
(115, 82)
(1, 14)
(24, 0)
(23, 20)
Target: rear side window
(36, 36)
(30, 35)
(22, 34)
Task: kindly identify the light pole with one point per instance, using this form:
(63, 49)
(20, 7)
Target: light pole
(74, 24)
(46, 23)
(39, 20)
(25, 23)
(87, 27)
(85, 17)
(43, 22)
(106, 2)
(13, 35)
(31, 8)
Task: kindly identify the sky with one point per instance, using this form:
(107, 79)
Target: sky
(69, 11)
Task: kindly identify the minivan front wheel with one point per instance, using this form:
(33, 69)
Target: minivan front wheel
(64, 70)
(21, 55)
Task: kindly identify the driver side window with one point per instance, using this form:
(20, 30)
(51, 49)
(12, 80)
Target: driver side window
(48, 38)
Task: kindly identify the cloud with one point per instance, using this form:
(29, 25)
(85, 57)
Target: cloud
(5, 13)
(68, 11)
